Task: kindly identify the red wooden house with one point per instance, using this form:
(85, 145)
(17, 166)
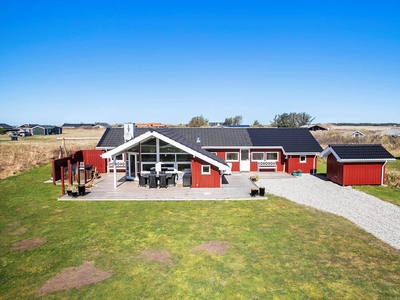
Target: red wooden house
(356, 164)
(208, 153)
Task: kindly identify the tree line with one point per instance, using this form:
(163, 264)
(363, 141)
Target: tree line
(291, 120)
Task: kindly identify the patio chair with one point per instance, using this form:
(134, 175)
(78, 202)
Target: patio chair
(152, 181)
(142, 180)
(163, 180)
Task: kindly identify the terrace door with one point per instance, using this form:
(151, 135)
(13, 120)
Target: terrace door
(244, 160)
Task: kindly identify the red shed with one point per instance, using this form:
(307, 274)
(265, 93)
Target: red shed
(356, 164)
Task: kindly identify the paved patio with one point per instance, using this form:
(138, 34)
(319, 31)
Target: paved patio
(235, 187)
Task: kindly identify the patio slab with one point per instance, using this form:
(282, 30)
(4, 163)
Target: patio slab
(235, 187)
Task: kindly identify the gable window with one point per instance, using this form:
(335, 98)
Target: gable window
(272, 156)
(232, 156)
(205, 169)
(257, 156)
(303, 159)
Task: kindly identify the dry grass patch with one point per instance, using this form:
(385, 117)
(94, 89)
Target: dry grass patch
(28, 244)
(213, 247)
(19, 231)
(74, 277)
(29, 152)
(162, 256)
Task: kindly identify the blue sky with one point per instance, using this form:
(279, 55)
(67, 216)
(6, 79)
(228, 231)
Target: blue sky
(168, 61)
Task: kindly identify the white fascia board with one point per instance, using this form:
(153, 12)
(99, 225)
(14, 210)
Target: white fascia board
(329, 150)
(303, 153)
(122, 148)
(367, 160)
(191, 151)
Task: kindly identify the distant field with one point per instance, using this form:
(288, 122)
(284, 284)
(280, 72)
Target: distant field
(31, 151)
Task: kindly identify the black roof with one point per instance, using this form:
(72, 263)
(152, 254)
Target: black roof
(293, 140)
(361, 151)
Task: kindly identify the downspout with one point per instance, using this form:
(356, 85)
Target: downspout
(382, 175)
(115, 171)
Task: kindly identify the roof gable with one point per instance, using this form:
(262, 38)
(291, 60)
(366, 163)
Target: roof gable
(358, 152)
(172, 137)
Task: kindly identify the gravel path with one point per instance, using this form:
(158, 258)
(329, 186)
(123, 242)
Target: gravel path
(380, 218)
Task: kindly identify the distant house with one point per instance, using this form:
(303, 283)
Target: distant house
(77, 125)
(102, 125)
(315, 127)
(208, 153)
(6, 127)
(152, 124)
(46, 130)
(356, 164)
(357, 134)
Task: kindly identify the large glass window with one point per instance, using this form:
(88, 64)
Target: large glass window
(149, 146)
(232, 156)
(183, 167)
(273, 156)
(257, 156)
(168, 148)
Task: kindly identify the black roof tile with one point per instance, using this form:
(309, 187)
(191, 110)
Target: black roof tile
(361, 151)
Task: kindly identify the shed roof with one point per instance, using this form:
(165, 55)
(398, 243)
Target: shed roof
(358, 152)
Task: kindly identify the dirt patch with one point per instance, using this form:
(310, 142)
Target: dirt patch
(29, 244)
(19, 231)
(162, 256)
(58, 210)
(74, 277)
(211, 247)
(14, 224)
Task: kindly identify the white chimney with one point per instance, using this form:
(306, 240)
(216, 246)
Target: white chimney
(129, 131)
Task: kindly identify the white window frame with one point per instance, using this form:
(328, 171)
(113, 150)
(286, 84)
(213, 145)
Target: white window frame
(252, 156)
(237, 155)
(266, 156)
(203, 172)
(303, 161)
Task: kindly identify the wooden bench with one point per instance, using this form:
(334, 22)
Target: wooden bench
(120, 165)
(267, 165)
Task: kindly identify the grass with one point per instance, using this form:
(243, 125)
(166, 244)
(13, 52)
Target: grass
(278, 249)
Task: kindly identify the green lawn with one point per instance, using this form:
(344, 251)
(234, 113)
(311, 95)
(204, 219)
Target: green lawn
(278, 249)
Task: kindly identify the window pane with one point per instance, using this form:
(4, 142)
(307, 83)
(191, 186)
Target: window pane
(258, 156)
(272, 156)
(167, 157)
(147, 167)
(182, 167)
(149, 157)
(149, 146)
(183, 157)
(232, 156)
(206, 170)
(167, 148)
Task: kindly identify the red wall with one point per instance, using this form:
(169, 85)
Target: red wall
(354, 173)
(92, 157)
(202, 180)
(334, 170)
(293, 164)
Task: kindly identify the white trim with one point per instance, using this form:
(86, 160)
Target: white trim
(266, 156)
(142, 137)
(256, 152)
(303, 161)
(329, 150)
(226, 156)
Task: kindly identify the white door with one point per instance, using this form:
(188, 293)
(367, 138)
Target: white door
(244, 160)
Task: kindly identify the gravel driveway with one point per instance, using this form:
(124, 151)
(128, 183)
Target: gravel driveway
(380, 218)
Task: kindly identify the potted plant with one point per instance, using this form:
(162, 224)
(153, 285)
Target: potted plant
(75, 191)
(254, 178)
(254, 192)
(81, 190)
(69, 190)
